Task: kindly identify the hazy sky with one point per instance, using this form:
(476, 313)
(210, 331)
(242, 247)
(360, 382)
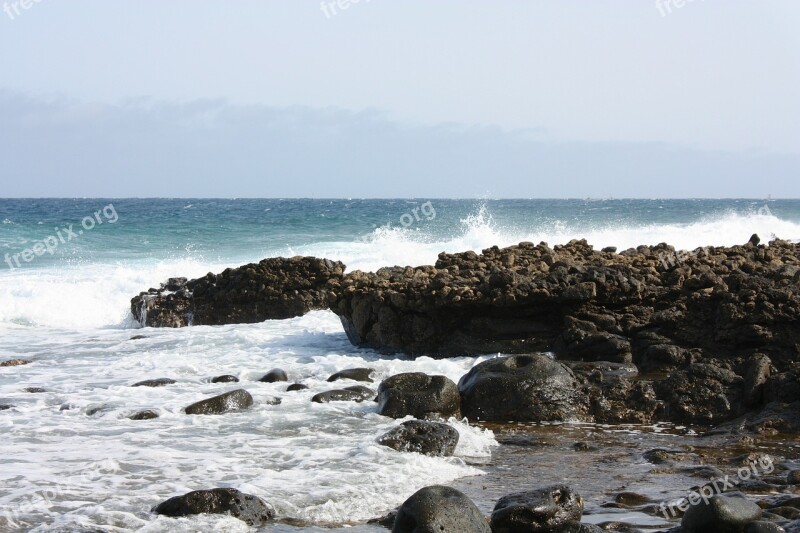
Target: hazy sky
(500, 98)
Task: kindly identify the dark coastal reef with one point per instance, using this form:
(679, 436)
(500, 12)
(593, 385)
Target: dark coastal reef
(644, 335)
(274, 288)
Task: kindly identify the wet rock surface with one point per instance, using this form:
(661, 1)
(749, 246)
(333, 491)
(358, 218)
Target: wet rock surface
(723, 513)
(521, 388)
(250, 509)
(230, 401)
(273, 376)
(425, 437)
(274, 288)
(544, 509)
(14, 362)
(356, 374)
(160, 382)
(348, 394)
(439, 508)
(418, 395)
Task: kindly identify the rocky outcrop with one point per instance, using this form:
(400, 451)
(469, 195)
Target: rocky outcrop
(421, 436)
(160, 382)
(546, 509)
(274, 288)
(418, 395)
(650, 305)
(439, 508)
(248, 508)
(522, 388)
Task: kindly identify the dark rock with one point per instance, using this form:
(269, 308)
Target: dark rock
(386, 521)
(144, 415)
(230, 401)
(754, 239)
(439, 509)
(14, 362)
(95, 409)
(247, 508)
(138, 337)
(162, 382)
(34, 390)
(5, 406)
(702, 393)
(584, 447)
(349, 394)
(429, 438)
(721, 513)
(418, 395)
(274, 288)
(225, 379)
(175, 284)
(793, 477)
(356, 374)
(521, 388)
(296, 387)
(274, 375)
(631, 499)
(545, 509)
(758, 372)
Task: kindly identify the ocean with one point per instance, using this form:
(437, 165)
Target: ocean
(72, 460)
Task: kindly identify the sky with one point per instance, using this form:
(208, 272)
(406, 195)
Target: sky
(381, 98)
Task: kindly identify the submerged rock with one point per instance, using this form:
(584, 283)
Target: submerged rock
(161, 382)
(439, 509)
(418, 395)
(149, 414)
(296, 387)
(429, 438)
(274, 288)
(225, 379)
(356, 374)
(230, 401)
(14, 362)
(521, 388)
(546, 509)
(248, 508)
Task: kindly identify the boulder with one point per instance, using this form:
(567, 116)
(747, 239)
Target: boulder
(230, 401)
(418, 395)
(521, 388)
(296, 387)
(425, 437)
(273, 376)
(722, 514)
(349, 394)
(541, 510)
(225, 379)
(248, 508)
(356, 374)
(161, 382)
(144, 415)
(274, 288)
(439, 509)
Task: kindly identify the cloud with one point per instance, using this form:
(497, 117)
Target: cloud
(210, 148)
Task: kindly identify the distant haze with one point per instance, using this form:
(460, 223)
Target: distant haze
(256, 98)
